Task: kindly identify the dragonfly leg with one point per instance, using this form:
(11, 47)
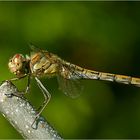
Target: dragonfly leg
(28, 84)
(47, 97)
(20, 94)
(17, 78)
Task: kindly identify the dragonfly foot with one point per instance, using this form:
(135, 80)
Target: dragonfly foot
(5, 81)
(35, 122)
(38, 119)
(10, 95)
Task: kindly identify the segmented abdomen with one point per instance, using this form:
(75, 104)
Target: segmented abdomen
(81, 73)
(88, 74)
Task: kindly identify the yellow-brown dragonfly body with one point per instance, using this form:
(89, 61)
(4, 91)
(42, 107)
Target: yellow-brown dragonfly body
(43, 63)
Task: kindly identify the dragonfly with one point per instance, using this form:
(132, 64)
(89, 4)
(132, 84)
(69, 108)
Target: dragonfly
(42, 63)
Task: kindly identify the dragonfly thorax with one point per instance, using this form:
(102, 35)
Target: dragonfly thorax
(43, 64)
(19, 65)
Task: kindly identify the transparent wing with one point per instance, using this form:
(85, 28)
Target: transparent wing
(70, 87)
(34, 48)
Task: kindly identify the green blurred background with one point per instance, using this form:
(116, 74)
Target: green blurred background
(103, 36)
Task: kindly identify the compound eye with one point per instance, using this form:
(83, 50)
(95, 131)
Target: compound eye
(11, 60)
(19, 58)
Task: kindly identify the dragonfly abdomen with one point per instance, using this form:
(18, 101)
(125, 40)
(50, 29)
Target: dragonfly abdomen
(89, 74)
(120, 78)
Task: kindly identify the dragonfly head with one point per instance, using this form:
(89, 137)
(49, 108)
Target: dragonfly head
(18, 65)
